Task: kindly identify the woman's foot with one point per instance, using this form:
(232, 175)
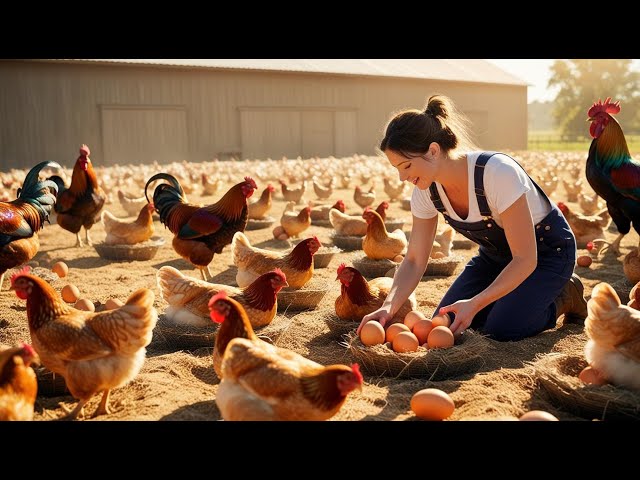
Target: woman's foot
(571, 301)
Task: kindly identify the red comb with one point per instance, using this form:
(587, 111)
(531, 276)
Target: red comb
(341, 267)
(28, 349)
(277, 271)
(24, 271)
(604, 107)
(251, 182)
(589, 246)
(218, 296)
(355, 368)
(215, 314)
(317, 240)
(84, 151)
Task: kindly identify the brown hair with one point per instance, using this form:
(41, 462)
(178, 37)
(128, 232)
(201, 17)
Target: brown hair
(410, 132)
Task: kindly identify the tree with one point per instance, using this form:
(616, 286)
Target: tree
(583, 82)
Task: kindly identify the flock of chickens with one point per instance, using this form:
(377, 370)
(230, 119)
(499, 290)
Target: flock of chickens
(97, 352)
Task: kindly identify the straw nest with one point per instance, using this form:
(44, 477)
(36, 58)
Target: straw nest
(254, 224)
(462, 244)
(295, 300)
(392, 224)
(443, 266)
(140, 251)
(370, 268)
(172, 336)
(466, 356)
(347, 242)
(324, 255)
(336, 325)
(557, 374)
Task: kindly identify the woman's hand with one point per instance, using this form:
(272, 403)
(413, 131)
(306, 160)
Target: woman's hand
(381, 315)
(464, 310)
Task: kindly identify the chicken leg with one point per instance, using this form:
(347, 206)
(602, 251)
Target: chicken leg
(103, 408)
(88, 238)
(1, 280)
(204, 271)
(73, 414)
(78, 240)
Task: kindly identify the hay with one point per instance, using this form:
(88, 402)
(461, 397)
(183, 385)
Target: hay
(169, 336)
(466, 356)
(140, 251)
(370, 268)
(254, 224)
(324, 255)
(443, 267)
(347, 242)
(337, 326)
(392, 224)
(557, 374)
(297, 300)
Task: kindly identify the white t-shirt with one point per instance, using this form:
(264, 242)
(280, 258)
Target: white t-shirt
(504, 182)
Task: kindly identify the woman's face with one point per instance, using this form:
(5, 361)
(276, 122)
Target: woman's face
(416, 170)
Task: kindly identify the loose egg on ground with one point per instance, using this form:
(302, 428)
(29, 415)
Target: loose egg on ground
(432, 404)
(405, 342)
(538, 415)
(70, 293)
(60, 269)
(584, 260)
(394, 330)
(372, 333)
(113, 303)
(413, 317)
(440, 337)
(86, 305)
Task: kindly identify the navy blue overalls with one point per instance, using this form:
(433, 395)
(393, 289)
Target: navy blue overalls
(529, 309)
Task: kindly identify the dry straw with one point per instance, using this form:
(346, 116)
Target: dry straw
(370, 268)
(140, 251)
(557, 374)
(337, 326)
(324, 255)
(468, 355)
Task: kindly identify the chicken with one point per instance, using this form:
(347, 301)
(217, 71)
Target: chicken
(321, 191)
(572, 188)
(264, 382)
(209, 187)
(364, 199)
(350, 225)
(295, 223)
(259, 209)
(252, 262)
(188, 297)
(443, 241)
(631, 265)
(611, 171)
(79, 205)
(18, 384)
(393, 191)
(583, 227)
(94, 352)
(131, 205)
(321, 212)
(382, 210)
(613, 348)
(295, 194)
(200, 232)
(359, 297)
(21, 219)
(588, 204)
(121, 232)
(378, 243)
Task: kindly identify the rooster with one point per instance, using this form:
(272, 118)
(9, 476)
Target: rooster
(613, 348)
(79, 205)
(611, 171)
(23, 218)
(264, 382)
(252, 262)
(200, 232)
(18, 384)
(359, 297)
(94, 352)
(188, 297)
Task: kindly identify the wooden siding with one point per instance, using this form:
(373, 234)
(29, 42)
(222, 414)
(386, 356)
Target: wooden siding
(48, 109)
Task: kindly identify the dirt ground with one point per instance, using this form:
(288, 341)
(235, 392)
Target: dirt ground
(181, 384)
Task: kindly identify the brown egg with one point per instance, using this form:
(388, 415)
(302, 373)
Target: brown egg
(432, 404)
(84, 304)
(584, 260)
(440, 337)
(394, 329)
(591, 376)
(441, 320)
(437, 255)
(277, 231)
(60, 269)
(422, 329)
(538, 415)
(413, 317)
(113, 303)
(70, 293)
(283, 236)
(405, 342)
(372, 333)
(398, 258)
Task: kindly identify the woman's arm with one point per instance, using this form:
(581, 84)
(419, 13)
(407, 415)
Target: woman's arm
(518, 227)
(409, 272)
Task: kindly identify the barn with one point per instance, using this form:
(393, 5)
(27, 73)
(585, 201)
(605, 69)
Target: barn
(139, 111)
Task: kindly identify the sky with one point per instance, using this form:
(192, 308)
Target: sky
(536, 73)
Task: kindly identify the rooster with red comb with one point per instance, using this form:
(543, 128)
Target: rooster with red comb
(611, 171)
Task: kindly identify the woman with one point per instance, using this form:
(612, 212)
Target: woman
(522, 279)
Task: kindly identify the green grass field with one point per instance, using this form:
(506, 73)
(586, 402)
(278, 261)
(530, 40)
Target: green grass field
(551, 140)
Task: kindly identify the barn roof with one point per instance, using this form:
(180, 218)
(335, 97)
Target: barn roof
(474, 70)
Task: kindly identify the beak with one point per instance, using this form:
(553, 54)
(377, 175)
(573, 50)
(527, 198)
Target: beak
(285, 284)
(589, 119)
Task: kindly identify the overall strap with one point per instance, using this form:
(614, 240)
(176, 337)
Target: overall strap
(478, 179)
(435, 198)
